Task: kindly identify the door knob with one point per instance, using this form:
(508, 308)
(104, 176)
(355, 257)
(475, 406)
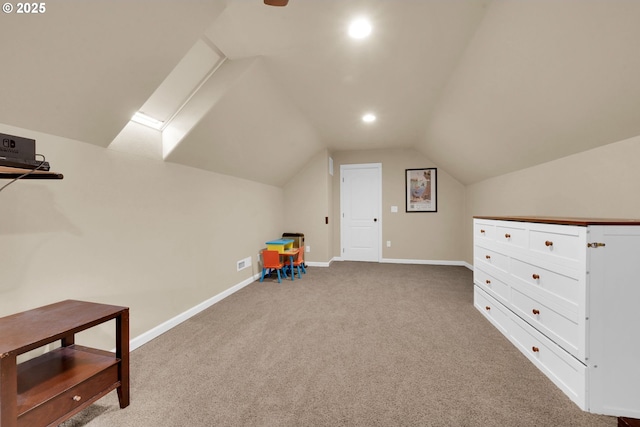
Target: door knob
(375, 219)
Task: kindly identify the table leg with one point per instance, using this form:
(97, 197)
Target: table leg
(8, 390)
(122, 353)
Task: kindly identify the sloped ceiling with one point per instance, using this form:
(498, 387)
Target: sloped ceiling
(252, 131)
(540, 80)
(82, 68)
(397, 72)
(481, 87)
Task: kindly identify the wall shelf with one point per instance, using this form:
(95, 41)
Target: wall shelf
(7, 172)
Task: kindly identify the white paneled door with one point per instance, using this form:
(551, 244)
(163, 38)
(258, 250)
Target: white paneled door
(360, 222)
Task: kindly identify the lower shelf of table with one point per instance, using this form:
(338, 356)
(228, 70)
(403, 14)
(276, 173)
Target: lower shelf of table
(62, 382)
(628, 422)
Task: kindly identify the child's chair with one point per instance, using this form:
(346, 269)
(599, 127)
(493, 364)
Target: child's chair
(298, 263)
(271, 261)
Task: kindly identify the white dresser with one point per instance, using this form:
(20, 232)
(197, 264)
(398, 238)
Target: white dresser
(566, 293)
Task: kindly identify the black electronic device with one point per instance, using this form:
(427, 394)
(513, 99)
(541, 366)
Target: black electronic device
(17, 147)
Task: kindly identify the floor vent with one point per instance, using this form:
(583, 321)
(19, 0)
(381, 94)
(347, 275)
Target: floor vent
(244, 263)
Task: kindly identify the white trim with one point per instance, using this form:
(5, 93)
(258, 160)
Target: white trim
(318, 264)
(175, 321)
(419, 261)
(424, 261)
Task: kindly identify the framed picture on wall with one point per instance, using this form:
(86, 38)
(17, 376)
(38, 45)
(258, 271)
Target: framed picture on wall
(421, 190)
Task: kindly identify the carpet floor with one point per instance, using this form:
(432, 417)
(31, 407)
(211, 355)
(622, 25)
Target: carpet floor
(355, 344)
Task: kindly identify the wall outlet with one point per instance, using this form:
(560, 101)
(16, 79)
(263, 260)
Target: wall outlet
(308, 249)
(388, 243)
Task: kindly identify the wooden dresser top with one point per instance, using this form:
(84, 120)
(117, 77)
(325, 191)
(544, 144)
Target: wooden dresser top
(565, 220)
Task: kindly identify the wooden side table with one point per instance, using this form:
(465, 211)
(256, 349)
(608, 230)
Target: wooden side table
(628, 422)
(49, 389)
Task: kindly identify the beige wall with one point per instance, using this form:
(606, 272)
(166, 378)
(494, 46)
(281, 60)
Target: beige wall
(603, 182)
(122, 229)
(162, 238)
(306, 202)
(414, 236)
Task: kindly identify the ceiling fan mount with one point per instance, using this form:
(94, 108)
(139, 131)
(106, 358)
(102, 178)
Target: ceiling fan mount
(276, 2)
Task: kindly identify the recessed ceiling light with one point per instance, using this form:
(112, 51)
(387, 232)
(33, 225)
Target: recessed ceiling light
(143, 119)
(368, 118)
(359, 28)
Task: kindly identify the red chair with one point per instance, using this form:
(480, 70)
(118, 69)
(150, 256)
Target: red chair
(271, 261)
(298, 262)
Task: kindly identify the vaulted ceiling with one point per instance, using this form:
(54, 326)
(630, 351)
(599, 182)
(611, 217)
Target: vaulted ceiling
(481, 87)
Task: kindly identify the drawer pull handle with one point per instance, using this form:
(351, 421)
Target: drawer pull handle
(481, 231)
(487, 256)
(507, 236)
(77, 398)
(487, 308)
(488, 281)
(548, 243)
(535, 311)
(535, 276)
(535, 349)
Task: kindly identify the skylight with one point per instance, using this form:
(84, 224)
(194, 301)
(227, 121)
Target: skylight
(143, 119)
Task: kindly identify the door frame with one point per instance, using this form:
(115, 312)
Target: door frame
(354, 166)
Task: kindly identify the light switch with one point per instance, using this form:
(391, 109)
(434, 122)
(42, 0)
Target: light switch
(394, 209)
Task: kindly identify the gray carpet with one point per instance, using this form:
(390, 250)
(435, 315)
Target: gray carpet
(355, 344)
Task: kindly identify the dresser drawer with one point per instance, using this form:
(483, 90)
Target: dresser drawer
(483, 230)
(489, 257)
(495, 312)
(567, 289)
(562, 329)
(512, 235)
(568, 373)
(558, 243)
(495, 287)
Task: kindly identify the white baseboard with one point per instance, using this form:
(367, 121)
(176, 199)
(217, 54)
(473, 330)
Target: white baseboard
(424, 262)
(419, 261)
(164, 327)
(318, 264)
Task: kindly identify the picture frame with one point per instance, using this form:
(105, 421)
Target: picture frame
(421, 190)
